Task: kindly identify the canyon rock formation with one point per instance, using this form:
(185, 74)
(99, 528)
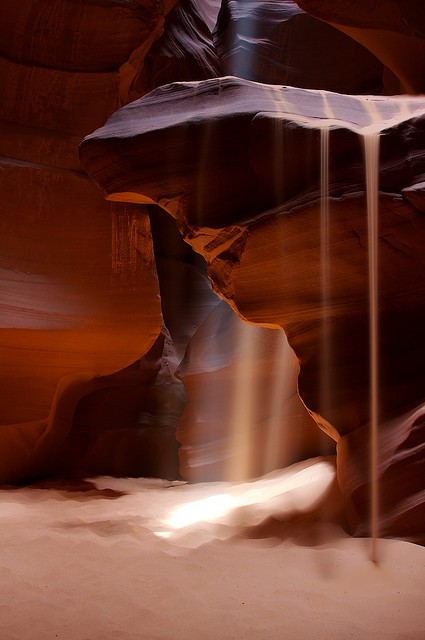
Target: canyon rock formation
(114, 338)
(79, 293)
(393, 30)
(278, 43)
(244, 416)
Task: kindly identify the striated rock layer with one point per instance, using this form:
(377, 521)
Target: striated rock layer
(185, 51)
(78, 288)
(278, 43)
(244, 416)
(218, 144)
(212, 139)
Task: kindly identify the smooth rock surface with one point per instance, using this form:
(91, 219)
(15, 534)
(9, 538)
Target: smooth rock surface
(78, 288)
(278, 43)
(393, 30)
(243, 417)
(208, 137)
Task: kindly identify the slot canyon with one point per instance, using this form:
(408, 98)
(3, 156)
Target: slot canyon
(212, 294)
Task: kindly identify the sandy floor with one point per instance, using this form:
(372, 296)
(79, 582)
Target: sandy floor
(85, 562)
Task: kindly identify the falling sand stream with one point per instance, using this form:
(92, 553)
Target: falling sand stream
(325, 347)
(371, 152)
(374, 116)
(371, 146)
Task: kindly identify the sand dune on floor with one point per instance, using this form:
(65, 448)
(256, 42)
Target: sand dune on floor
(82, 561)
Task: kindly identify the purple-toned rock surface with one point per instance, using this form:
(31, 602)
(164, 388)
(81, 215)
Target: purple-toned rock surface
(243, 417)
(184, 51)
(220, 143)
(278, 43)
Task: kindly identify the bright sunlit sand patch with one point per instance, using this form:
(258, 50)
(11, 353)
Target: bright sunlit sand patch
(80, 560)
(208, 509)
(221, 510)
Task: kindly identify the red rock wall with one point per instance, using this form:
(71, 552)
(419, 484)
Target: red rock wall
(79, 295)
(393, 30)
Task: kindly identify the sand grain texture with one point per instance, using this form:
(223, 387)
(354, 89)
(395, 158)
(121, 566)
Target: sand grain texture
(81, 562)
